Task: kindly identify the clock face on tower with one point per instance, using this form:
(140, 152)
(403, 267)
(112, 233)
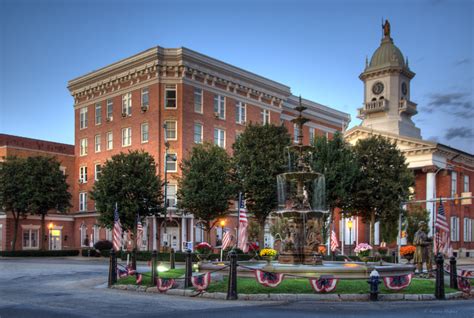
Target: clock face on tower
(404, 88)
(377, 88)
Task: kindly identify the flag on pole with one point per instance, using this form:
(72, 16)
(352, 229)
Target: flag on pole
(227, 240)
(443, 241)
(117, 230)
(243, 223)
(334, 242)
(139, 232)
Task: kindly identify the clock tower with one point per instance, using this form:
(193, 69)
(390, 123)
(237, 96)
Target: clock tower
(387, 106)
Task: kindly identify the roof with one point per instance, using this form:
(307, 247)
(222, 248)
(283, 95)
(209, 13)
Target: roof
(35, 144)
(386, 55)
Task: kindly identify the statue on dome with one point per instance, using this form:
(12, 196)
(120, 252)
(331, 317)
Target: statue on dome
(386, 28)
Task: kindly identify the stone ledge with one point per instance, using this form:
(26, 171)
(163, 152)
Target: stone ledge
(290, 297)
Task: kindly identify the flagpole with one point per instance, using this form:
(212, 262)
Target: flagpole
(238, 216)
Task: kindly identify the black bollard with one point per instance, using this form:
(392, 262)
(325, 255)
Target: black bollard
(112, 268)
(172, 258)
(394, 257)
(154, 256)
(232, 284)
(453, 280)
(189, 269)
(374, 282)
(439, 288)
(134, 259)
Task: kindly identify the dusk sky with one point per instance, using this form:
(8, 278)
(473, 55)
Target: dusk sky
(318, 48)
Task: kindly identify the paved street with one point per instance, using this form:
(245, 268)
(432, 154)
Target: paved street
(45, 287)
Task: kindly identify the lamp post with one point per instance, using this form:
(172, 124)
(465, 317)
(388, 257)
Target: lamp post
(222, 224)
(349, 225)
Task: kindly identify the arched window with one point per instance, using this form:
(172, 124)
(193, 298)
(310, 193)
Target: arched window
(199, 233)
(381, 97)
(96, 232)
(83, 235)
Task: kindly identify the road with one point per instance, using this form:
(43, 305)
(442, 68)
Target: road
(71, 287)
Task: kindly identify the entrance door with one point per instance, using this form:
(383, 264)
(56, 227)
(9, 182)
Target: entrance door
(171, 238)
(55, 239)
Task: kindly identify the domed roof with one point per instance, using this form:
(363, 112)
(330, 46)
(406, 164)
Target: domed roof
(387, 54)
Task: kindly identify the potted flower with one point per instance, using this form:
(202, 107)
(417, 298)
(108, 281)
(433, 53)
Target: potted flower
(322, 249)
(203, 250)
(407, 252)
(363, 250)
(268, 254)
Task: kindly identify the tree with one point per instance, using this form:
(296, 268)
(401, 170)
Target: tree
(206, 185)
(128, 181)
(383, 183)
(13, 196)
(260, 155)
(335, 159)
(46, 189)
(415, 215)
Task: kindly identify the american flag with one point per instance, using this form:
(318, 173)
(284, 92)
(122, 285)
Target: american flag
(243, 223)
(139, 232)
(443, 241)
(227, 240)
(117, 230)
(334, 242)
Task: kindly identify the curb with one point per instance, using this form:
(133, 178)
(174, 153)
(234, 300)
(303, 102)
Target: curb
(290, 297)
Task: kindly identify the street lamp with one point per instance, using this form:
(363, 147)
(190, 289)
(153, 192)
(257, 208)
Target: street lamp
(349, 225)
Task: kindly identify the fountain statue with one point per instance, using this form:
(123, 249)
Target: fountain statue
(301, 202)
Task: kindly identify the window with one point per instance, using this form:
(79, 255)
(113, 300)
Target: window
(296, 133)
(197, 133)
(1, 237)
(127, 104)
(145, 98)
(83, 147)
(454, 229)
(126, 136)
(83, 118)
(83, 235)
(199, 235)
(467, 230)
(110, 109)
(311, 135)
(219, 137)
(97, 171)
(219, 106)
(466, 183)
(108, 234)
(198, 100)
(30, 239)
(454, 181)
(96, 233)
(62, 169)
(144, 129)
(170, 130)
(83, 174)
(170, 96)
(110, 140)
(265, 117)
(83, 201)
(97, 143)
(171, 194)
(171, 162)
(98, 114)
(240, 113)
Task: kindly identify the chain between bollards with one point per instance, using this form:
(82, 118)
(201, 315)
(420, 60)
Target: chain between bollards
(154, 256)
(188, 269)
(453, 280)
(172, 259)
(439, 288)
(232, 284)
(112, 268)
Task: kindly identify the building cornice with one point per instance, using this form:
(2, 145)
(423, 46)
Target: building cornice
(386, 70)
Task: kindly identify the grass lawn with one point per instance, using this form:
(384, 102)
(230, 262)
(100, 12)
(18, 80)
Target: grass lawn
(294, 286)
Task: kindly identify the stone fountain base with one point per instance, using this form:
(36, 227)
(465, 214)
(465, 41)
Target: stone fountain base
(300, 258)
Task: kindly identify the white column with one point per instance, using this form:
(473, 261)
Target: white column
(183, 231)
(154, 233)
(377, 233)
(430, 194)
(342, 229)
(191, 230)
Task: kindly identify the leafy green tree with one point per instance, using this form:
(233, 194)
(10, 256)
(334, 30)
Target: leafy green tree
(260, 155)
(128, 180)
(46, 189)
(335, 159)
(415, 215)
(383, 183)
(207, 184)
(13, 196)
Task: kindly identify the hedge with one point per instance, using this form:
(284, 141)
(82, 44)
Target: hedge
(35, 253)
(179, 256)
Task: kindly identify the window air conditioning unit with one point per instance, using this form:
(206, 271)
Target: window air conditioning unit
(80, 181)
(109, 119)
(144, 109)
(216, 114)
(124, 115)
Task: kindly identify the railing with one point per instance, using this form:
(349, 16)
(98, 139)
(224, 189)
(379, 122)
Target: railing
(373, 107)
(407, 107)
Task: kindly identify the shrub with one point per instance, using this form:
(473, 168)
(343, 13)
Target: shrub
(39, 253)
(103, 245)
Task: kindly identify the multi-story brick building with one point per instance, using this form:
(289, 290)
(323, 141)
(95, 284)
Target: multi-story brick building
(125, 105)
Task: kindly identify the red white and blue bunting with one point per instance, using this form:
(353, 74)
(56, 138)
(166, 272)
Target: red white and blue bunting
(464, 283)
(324, 284)
(397, 282)
(201, 282)
(163, 284)
(268, 279)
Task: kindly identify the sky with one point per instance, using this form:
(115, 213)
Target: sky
(318, 48)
